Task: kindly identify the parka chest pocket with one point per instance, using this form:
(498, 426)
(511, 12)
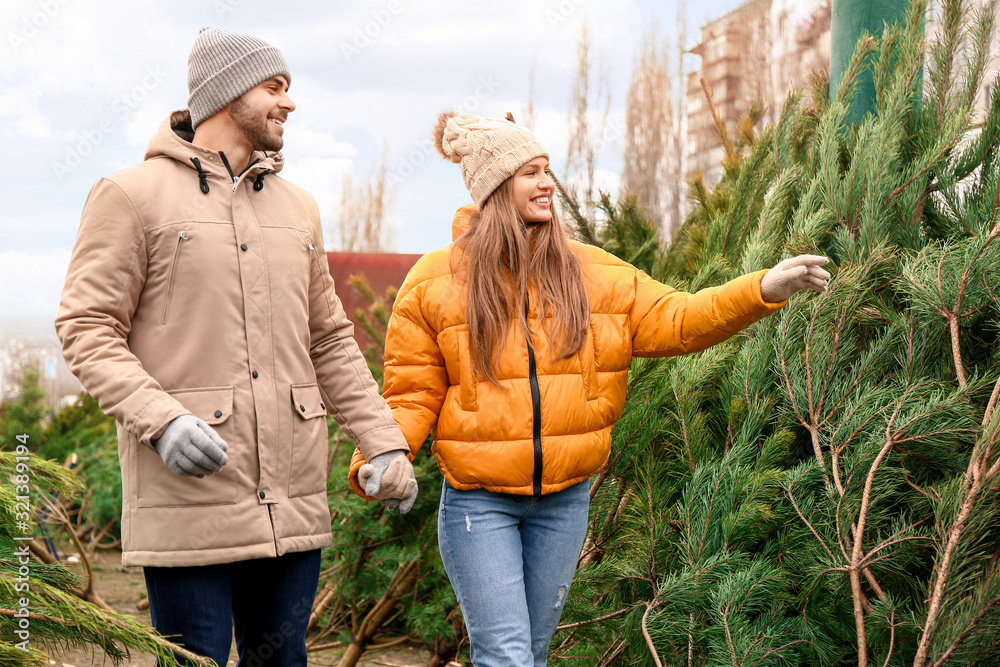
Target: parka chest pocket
(310, 442)
(158, 486)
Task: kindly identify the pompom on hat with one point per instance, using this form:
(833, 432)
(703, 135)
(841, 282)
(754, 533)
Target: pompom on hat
(488, 150)
(223, 65)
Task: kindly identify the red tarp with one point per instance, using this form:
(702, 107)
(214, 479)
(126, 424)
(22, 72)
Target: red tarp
(381, 270)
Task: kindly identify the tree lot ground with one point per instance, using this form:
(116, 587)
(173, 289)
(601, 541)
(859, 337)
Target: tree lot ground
(122, 588)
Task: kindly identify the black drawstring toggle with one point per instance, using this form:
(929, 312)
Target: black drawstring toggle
(202, 176)
(258, 183)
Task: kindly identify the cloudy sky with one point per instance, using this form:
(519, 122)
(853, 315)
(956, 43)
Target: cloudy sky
(86, 83)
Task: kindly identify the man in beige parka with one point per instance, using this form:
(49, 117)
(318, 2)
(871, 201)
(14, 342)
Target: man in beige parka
(198, 310)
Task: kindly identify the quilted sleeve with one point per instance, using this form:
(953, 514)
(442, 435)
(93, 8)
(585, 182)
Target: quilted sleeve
(666, 322)
(416, 379)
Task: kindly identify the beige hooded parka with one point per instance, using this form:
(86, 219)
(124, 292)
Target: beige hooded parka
(189, 293)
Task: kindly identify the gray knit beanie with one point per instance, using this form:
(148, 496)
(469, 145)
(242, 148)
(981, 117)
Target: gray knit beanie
(223, 65)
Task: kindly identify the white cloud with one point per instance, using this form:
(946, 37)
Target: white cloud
(30, 121)
(552, 129)
(79, 46)
(33, 126)
(141, 125)
(123, 64)
(310, 142)
(32, 285)
(319, 176)
(607, 181)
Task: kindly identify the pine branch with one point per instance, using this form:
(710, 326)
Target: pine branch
(926, 168)
(720, 124)
(893, 539)
(855, 567)
(645, 633)
(599, 619)
(983, 613)
(611, 655)
(582, 224)
(892, 638)
(812, 530)
(729, 634)
(198, 660)
(941, 572)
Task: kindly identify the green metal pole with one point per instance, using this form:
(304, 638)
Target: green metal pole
(849, 19)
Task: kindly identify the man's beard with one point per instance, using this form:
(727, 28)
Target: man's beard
(255, 131)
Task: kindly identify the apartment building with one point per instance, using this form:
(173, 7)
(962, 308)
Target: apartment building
(757, 52)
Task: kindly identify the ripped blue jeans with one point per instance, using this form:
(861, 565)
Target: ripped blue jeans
(510, 560)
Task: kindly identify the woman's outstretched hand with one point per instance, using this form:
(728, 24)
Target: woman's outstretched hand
(794, 274)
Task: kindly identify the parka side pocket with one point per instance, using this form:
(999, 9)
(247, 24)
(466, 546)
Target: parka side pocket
(310, 442)
(158, 486)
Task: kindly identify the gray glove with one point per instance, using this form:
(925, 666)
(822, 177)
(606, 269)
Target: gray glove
(389, 477)
(792, 275)
(191, 447)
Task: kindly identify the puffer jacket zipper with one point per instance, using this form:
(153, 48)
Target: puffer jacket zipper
(536, 411)
(182, 236)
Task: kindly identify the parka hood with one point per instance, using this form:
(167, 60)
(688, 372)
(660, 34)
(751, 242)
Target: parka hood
(463, 218)
(173, 140)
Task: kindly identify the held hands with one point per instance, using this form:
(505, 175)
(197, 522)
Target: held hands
(791, 275)
(191, 447)
(389, 477)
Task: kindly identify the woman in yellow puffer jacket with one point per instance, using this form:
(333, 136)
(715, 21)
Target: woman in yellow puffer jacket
(513, 344)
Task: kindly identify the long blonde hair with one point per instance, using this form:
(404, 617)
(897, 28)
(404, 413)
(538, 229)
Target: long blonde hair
(499, 260)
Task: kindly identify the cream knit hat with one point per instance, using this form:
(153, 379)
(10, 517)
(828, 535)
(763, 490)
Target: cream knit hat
(488, 150)
(223, 65)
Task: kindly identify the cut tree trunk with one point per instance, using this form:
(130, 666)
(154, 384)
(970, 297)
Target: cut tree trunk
(402, 580)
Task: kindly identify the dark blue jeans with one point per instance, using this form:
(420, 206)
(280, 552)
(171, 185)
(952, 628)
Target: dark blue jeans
(267, 601)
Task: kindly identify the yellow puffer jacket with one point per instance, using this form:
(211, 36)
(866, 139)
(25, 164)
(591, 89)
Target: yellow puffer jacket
(552, 427)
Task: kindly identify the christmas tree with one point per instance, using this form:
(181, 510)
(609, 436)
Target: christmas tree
(824, 488)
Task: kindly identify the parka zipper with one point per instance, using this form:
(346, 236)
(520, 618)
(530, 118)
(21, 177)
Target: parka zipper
(536, 411)
(170, 277)
(313, 256)
(225, 161)
(232, 174)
